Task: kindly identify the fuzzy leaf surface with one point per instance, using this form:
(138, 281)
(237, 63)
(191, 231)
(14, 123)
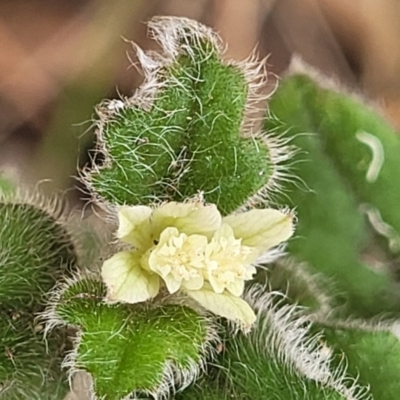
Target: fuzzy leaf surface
(281, 358)
(189, 139)
(333, 236)
(373, 357)
(29, 364)
(131, 348)
(34, 251)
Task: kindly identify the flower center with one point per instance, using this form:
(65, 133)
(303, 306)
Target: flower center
(190, 259)
(228, 262)
(177, 254)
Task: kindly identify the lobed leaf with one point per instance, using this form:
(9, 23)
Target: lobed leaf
(139, 348)
(182, 132)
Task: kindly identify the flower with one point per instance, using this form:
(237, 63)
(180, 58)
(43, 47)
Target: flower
(191, 248)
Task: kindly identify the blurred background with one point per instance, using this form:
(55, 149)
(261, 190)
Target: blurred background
(59, 58)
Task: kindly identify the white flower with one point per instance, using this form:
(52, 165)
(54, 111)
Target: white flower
(228, 262)
(179, 259)
(190, 247)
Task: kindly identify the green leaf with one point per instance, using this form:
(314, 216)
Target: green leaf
(372, 355)
(133, 348)
(363, 145)
(34, 251)
(29, 364)
(332, 233)
(235, 167)
(182, 132)
(279, 359)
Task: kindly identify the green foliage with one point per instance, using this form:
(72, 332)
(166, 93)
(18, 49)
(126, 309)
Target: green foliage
(6, 186)
(342, 125)
(133, 348)
(235, 167)
(188, 129)
(187, 136)
(141, 145)
(373, 355)
(185, 132)
(180, 134)
(333, 235)
(258, 377)
(280, 359)
(29, 366)
(35, 251)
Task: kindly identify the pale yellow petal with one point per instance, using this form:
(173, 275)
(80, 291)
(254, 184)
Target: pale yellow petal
(216, 285)
(126, 281)
(153, 284)
(162, 270)
(194, 283)
(158, 260)
(189, 218)
(197, 242)
(225, 305)
(173, 285)
(166, 235)
(134, 226)
(261, 229)
(224, 231)
(236, 287)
